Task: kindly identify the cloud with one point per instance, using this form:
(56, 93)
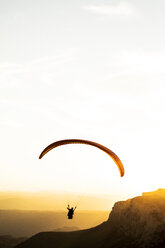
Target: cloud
(139, 62)
(120, 9)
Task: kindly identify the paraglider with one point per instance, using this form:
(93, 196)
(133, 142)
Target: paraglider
(86, 142)
(71, 212)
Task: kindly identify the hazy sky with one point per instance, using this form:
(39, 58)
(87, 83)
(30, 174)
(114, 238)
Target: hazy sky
(82, 69)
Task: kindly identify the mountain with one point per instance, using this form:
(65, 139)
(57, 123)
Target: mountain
(135, 223)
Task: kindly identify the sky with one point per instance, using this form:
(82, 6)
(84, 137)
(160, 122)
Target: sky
(82, 69)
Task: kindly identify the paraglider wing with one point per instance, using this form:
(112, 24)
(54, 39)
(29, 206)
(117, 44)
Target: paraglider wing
(87, 142)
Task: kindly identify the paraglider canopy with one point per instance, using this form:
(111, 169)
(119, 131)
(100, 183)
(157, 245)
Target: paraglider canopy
(86, 142)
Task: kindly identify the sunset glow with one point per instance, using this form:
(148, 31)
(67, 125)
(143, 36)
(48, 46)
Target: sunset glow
(82, 70)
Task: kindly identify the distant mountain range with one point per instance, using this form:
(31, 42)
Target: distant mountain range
(135, 223)
(25, 223)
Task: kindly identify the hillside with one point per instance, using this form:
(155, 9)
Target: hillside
(137, 223)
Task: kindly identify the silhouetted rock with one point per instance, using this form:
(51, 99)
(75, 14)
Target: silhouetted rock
(135, 223)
